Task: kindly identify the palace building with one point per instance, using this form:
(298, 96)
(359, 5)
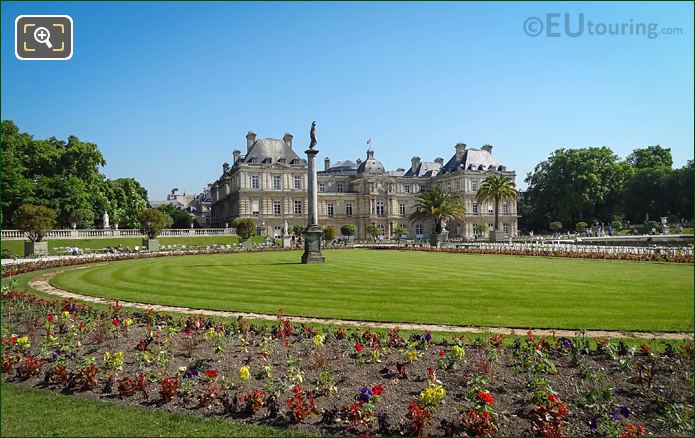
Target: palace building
(268, 184)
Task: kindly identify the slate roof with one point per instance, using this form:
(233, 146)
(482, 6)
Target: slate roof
(472, 159)
(426, 168)
(270, 150)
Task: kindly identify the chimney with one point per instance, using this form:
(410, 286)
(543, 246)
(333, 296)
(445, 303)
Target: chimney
(236, 154)
(414, 164)
(487, 148)
(225, 168)
(250, 140)
(460, 149)
(439, 160)
(287, 138)
(326, 163)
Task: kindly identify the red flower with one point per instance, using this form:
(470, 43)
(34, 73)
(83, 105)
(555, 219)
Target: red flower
(358, 347)
(116, 322)
(486, 398)
(50, 317)
(211, 374)
(442, 353)
(377, 390)
(13, 340)
(188, 333)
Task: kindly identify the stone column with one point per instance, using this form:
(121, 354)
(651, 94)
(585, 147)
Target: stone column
(312, 236)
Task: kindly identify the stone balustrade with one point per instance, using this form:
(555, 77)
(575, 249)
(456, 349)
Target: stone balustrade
(114, 233)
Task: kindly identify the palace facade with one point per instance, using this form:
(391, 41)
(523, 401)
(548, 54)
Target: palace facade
(268, 185)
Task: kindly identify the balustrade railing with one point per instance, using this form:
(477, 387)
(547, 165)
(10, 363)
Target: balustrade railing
(116, 233)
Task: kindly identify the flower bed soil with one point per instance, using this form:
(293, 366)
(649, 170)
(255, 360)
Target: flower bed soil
(535, 386)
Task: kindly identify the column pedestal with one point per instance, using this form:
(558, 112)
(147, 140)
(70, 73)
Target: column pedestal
(312, 236)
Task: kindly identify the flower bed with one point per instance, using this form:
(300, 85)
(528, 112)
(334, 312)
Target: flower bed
(664, 258)
(337, 382)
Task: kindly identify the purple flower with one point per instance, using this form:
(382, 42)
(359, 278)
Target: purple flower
(615, 415)
(190, 373)
(428, 337)
(565, 343)
(592, 425)
(625, 411)
(365, 394)
(415, 337)
(137, 314)
(56, 353)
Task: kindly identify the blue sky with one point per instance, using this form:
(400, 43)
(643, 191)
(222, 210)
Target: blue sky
(168, 90)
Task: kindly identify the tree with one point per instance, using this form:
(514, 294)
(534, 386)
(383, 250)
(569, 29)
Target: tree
(64, 176)
(373, 230)
(481, 229)
(348, 230)
(646, 193)
(437, 206)
(496, 189)
(152, 222)
(581, 227)
(245, 227)
(650, 157)
(34, 220)
(400, 231)
(555, 226)
(329, 233)
(83, 217)
(181, 219)
(298, 230)
(124, 198)
(576, 184)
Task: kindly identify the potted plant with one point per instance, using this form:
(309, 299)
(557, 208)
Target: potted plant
(482, 229)
(495, 189)
(245, 228)
(35, 221)
(439, 207)
(152, 222)
(400, 231)
(348, 230)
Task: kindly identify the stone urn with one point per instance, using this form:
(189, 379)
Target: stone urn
(35, 248)
(150, 244)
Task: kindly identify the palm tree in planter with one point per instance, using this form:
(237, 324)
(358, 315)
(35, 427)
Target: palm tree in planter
(440, 207)
(35, 221)
(400, 231)
(495, 189)
(374, 231)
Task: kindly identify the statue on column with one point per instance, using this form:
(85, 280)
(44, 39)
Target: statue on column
(105, 220)
(312, 135)
(286, 226)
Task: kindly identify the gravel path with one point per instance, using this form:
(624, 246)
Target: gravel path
(42, 283)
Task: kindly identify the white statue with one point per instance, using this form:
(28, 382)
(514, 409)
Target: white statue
(105, 220)
(286, 233)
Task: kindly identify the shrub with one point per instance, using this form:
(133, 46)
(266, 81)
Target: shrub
(152, 222)
(35, 220)
(555, 226)
(581, 227)
(245, 227)
(83, 217)
(329, 232)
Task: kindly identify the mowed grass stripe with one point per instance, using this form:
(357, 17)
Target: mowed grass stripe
(459, 289)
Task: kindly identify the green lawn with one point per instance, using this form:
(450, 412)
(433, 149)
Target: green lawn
(461, 289)
(16, 247)
(34, 412)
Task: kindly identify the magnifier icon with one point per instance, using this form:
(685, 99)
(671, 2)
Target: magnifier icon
(43, 36)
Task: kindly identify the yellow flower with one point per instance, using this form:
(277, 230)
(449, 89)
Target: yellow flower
(318, 340)
(244, 374)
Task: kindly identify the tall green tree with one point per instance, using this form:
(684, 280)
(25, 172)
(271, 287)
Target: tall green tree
(437, 206)
(180, 218)
(125, 199)
(650, 157)
(575, 185)
(495, 189)
(64, 176)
